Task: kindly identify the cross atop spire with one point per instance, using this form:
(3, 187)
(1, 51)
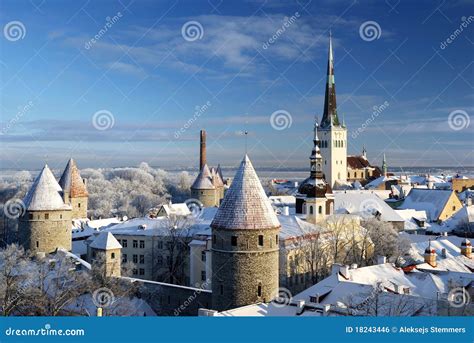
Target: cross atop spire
(330, 117)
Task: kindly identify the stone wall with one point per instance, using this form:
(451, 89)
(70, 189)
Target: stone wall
(172, 300)
(241, 272)
(79, 207)
(208, 197)
(38, 234)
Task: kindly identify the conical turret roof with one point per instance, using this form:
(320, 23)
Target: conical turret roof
(44, 194)
(245, 205)
(204, 179)
(71, 181)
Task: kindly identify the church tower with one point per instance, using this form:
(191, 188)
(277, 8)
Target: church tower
(245, 250)
(45, 225)
(332, 131)
(74, 189)
(314, 198)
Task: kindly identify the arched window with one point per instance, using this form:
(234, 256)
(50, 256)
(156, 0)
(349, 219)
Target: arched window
(320, 210)
(311, 210)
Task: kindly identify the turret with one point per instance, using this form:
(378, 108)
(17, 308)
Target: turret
(105, 254)
(245, 247)
(45, 225)
(74, 190)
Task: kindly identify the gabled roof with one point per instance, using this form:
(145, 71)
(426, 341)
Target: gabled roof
(71, 181)
(357, 162)
(432, 201)
(245, 205)
(105, 241)
(204, 179)
(44, 194)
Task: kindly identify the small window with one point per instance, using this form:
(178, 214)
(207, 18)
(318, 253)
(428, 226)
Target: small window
(112, 255)
(124, 258)
(159, 260)
(260, 240)
(142, 259)
(135, 271)
(259, 290)
(46, 216)
(142, 271)
(60, 216)
(160, 244)
(214, 239)
(233, 241)
(454, 208)
(37, 244)
(124, 243)
(203, 256)
(221, 289)
(276, 239)
(79, 205)
(135, 243)
(30, 216)
(135, 258)
(203, 275)
(142, 244)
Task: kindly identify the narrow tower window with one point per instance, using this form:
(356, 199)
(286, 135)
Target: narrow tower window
(233, 241)
(260, 240)
(259, 290)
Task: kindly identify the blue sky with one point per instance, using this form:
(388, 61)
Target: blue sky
(151, 81)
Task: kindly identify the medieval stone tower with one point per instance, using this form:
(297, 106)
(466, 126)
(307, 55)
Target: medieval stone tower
(75, 191)
(208, 187)
(45, 225)
(244, 244)
(333, 132)
(105, 253)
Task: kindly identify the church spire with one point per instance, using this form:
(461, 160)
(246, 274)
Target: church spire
(330, 109)
(384, 165)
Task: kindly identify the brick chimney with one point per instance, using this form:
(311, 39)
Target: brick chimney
(466, 248)
(202, 153)
(430, 256)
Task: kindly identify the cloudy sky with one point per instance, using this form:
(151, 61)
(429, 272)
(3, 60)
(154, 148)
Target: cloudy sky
(114, 83)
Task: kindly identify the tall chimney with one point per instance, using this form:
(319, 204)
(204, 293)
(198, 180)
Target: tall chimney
(202, 154)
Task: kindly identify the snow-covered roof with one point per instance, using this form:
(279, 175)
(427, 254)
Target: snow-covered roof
(356, 202)
(204, 179)
(432, 201)
(176, 209)
(71, 181)
(245, 205)
(105, 241)
(44, 194)
(82, 228)
(380, 180)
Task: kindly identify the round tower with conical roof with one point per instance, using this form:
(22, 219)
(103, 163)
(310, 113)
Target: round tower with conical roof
(45, 224)
(204, 188)
(75, 190)
(245, 250)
